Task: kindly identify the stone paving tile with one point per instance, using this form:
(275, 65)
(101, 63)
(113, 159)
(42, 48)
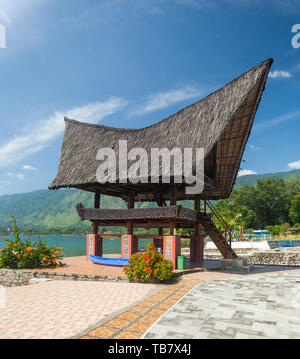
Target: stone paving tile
(139, 327)
(128, 335)
(139, 309)
(117, 323)
(157, 312)
(149, 318)
(104, 332)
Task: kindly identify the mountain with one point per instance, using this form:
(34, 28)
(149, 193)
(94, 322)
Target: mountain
(50, 210)
(55, 211)
(252, 179)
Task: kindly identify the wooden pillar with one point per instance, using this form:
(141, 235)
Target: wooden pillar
(130, 204)
(129, 243)
(173, 195)
(95, 227)
(196, 242)
(97, 200)
(96, 205)
(94, 242)
(173, 202)
(197, 206)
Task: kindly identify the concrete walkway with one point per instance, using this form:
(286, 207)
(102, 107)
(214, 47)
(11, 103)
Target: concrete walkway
(253, 306)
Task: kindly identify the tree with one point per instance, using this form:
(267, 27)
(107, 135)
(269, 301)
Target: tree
(270, 202)
(295, 208)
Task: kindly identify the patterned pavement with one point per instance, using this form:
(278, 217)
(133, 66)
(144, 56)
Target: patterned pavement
(205, 304)
(134, 322)
(243, 307)
(60, 309)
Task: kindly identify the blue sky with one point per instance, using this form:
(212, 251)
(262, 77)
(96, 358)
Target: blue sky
(131, 63)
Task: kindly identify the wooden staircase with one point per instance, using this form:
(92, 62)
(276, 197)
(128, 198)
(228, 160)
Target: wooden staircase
(213, 232)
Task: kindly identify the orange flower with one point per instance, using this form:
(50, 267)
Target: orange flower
(29, 249)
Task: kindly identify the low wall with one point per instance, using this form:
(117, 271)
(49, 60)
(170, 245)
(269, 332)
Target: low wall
(286, 257)
(14, 278)
(280, 257)
(242, 245)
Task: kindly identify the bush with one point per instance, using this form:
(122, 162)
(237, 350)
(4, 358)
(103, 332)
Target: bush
(284, 228)
(149, 265)
(26, 254)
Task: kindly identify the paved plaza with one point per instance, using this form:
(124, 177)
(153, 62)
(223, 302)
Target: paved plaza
(252, 306)
(198, 305)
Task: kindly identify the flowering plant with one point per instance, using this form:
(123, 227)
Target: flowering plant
(149, 265)
(26, 254)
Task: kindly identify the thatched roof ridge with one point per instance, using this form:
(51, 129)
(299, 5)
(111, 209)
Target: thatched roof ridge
(221, 123)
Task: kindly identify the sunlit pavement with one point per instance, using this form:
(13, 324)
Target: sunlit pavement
(254, 306)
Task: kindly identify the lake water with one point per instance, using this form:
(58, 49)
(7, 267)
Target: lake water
(76, 245)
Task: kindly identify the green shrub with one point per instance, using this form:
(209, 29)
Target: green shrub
(149, 265)
(26, 254)
(284, 228)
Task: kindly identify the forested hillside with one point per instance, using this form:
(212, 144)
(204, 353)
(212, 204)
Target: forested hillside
(54, 211)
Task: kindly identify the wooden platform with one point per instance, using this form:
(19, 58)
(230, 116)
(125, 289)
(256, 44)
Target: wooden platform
(157, 216)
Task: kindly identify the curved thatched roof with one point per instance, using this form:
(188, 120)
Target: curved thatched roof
(221, 123)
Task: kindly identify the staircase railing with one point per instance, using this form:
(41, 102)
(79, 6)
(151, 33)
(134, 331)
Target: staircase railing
(227, 229)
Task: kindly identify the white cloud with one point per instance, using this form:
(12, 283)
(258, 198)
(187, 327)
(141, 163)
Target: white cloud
(254, 148)
(280, 74)
(246, 172)
(20, 176)
(40, 135)
(294, 165)
(278, 120)
(29, 168)
(166, 99)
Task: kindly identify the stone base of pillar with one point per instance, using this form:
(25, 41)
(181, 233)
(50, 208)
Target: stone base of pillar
(129, 245)
(172, 248)
(94, 245)
(196, 249)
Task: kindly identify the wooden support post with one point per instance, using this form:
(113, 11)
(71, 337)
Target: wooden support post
(97, 200)
(95, 227)
(197, 206)
(130, 204)
(173, 195)
(196, 241)
(96, 205)
(173, 202)
(95, 239)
